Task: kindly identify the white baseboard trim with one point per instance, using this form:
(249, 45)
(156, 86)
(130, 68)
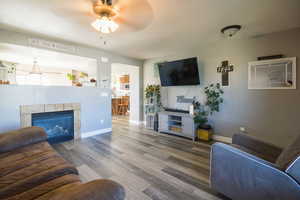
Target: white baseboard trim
(222, 139)
(97, 132)
(135, 122)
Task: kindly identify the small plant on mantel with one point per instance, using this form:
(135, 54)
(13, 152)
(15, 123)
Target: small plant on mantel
(71, 77)
(214, 98)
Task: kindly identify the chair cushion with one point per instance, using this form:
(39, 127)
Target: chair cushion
(47, 188)
(94, 190)
(25, 168)
(257, 154)
(19, 138)
(289, 154)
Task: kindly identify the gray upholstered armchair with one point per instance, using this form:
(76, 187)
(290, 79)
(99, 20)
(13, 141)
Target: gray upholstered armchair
(250, 169)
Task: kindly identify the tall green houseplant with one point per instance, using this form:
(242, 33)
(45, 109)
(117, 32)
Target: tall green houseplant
(214, 99)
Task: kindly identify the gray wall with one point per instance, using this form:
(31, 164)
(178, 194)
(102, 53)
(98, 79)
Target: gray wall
(96, 102)
(272, 115)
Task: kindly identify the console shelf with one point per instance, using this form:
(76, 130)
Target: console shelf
(180, 124)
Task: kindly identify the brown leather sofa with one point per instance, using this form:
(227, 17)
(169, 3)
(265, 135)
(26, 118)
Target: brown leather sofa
(31, 169)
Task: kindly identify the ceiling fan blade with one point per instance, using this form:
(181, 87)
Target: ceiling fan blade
(128, 3)
(129, 25)
(80, 10)
(134, 14)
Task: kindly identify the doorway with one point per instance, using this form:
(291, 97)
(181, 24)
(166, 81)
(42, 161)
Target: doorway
(125, 85)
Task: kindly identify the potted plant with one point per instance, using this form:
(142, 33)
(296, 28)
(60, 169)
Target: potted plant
(152, 106)
(71, 77)
(152, 94)
(214, 98)
(11, 73)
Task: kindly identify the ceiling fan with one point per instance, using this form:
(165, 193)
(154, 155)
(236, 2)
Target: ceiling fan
(106, 12)
(130, 15)
(108, 16)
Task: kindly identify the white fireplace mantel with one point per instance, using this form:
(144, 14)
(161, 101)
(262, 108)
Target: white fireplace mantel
(26, 112)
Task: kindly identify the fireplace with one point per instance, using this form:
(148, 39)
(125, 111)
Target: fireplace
(60, 121)
(59, 126)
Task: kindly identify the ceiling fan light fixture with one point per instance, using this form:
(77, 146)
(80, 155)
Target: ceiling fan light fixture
(105, 25)
(230, 31)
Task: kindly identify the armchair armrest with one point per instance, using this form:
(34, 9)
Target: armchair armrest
(94, 190)
(256, 145)
(19, 138)
(240, 175)
(294, 169)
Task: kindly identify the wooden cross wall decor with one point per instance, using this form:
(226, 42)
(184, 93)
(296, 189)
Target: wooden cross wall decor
(225, 68)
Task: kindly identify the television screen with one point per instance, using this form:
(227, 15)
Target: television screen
(179, 73)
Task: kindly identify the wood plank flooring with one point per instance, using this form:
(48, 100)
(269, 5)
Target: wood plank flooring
(151, 166)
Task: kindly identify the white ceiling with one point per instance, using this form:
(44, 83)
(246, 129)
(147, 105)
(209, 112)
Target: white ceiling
(177, 25)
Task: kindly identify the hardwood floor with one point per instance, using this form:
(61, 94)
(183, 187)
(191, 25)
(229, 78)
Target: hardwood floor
(149, 165)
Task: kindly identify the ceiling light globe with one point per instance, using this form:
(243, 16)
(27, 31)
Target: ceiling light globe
(105, 25)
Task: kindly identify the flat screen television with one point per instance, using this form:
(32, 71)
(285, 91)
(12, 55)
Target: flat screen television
(179, 73)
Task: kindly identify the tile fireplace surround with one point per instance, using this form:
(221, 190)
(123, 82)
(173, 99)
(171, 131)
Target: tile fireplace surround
(26, 112)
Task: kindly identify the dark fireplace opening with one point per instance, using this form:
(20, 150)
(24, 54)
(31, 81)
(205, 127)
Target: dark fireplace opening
(59, 126)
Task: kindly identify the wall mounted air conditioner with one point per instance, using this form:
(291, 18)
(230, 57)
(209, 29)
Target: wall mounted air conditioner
(272, 74)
